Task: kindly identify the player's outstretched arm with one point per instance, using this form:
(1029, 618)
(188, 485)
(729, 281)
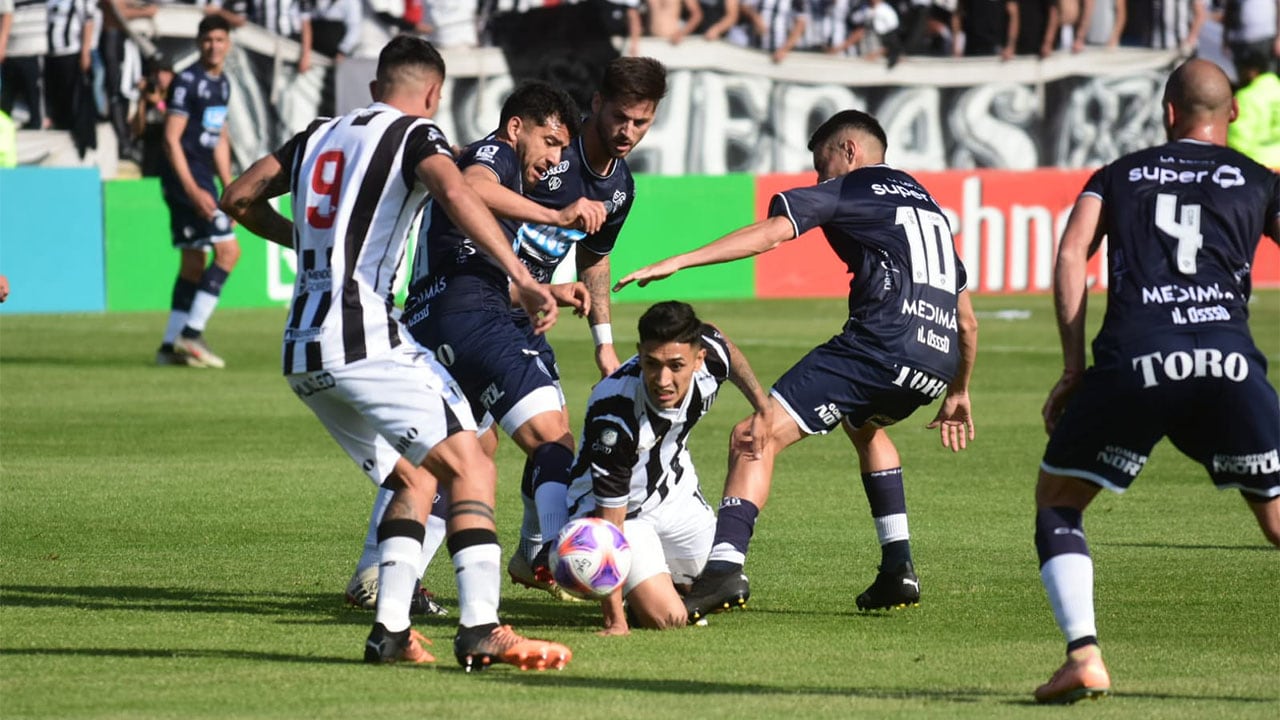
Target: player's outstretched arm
(468, 212)
(744, 242)
(753, 441)
(246, 200)
(1070, 299)
(954, 420)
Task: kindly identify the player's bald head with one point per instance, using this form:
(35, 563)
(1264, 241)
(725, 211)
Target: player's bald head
(1198, 91)
(407, 63)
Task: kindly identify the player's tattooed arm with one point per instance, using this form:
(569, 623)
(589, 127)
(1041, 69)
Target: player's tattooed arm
(247, 200)
(594, 272)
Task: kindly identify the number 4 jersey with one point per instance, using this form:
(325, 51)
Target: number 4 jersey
(895, 240)
(1183, 221)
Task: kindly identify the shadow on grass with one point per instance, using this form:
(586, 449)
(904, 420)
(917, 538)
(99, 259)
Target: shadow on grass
(180, 654)
(1185, 546)
(159, 599)
(699, 687)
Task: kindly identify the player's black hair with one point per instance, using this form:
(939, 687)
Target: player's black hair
(851, 119)
(540, 102)
(211, 23)
(633, 79)
(407, 51)
(671, 321)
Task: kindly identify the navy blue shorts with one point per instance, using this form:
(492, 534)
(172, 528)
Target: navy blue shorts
(1207, 392)
(839, 379)
(500, 371)
(189, 230)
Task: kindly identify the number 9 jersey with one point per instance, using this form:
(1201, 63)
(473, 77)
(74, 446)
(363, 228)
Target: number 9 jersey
(896, 242)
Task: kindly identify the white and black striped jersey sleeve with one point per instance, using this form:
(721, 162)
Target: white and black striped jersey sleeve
(716, 361)
(609, 447)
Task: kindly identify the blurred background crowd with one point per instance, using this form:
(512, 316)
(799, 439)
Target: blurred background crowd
(66, 64)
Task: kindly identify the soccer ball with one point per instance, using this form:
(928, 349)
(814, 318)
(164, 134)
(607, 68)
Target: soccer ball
(590, 559)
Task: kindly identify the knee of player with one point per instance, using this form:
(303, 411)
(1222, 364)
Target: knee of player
(668, 619)
(227, 254)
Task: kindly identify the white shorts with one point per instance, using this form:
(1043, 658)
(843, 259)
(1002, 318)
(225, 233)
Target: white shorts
(380, 409)
(675, 538)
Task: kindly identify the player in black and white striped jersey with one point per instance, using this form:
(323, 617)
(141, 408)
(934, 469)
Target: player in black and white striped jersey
(356, 182)
(634, 468)
(72, 33)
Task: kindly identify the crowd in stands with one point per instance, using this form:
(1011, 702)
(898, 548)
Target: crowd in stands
(50, 49)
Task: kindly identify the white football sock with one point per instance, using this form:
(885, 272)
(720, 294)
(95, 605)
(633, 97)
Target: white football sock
(369, 555)
(397, 575)
(202, 308)
(553, 508)
(437, 528)
(892, 528)
(1068, 581)
(479, 583)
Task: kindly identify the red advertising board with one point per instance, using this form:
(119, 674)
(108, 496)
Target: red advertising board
(1006, 225)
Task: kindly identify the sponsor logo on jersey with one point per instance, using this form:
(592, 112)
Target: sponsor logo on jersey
(925, 383)
(562, 167)
(942, 317)
(619, 198)
(1225, 176)
(1255, 464)
(1196, 315)
(554, 183)
(902, 190)
(1198, 363)
(312, 384)
(931, 339)
(445, 355)
(1161, 294)
(1228, 176)
(1123, 459)
(486, 153)
(608, 440)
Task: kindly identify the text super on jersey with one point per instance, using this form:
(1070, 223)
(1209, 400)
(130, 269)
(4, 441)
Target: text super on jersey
(542, 247)
(895, 240)
(355, 193)
(1183, 221)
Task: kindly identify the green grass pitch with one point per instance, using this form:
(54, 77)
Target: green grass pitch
(174, 544)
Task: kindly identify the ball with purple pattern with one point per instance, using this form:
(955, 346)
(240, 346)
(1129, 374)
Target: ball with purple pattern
(591, 558)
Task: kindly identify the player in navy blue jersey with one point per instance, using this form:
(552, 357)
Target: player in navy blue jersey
(195, 141)
(1174, 356)
(911, 338)
(593, 167)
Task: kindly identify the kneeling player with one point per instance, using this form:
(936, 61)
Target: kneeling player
(634, 468)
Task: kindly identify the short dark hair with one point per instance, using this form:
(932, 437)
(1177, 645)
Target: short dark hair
(211, 23)
(1253, 59)
(633, 79)
(407, 51)
(848, 119)
(671, 321)
(540, 102)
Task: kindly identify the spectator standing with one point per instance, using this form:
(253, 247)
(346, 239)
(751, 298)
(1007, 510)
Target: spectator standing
(989, 27)
(779, 25)
(718, 17)
(673, 19)
(335, 27)
(1253, 26)
(113, 46)
(22, 64)
(454, 23)
(1163, 24)
(69, 62)
(1037, 27)
(147, 122)
(286, 18)
(1100, 24)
